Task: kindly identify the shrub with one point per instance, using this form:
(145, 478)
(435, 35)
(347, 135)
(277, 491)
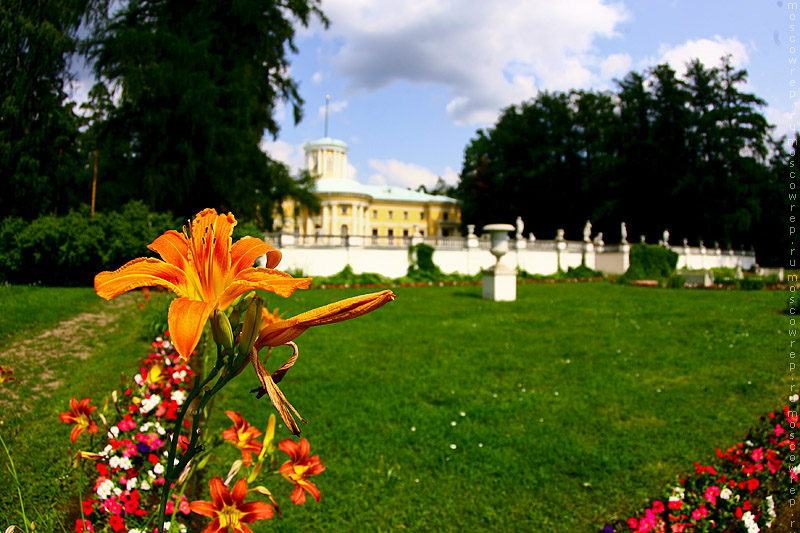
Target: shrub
(650, 262)
(248, 228)
(71, 249)
(676, 281)
(752, 283)
(583, 272)
(421, 266)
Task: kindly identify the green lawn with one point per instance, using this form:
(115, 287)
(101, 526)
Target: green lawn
(571, 405)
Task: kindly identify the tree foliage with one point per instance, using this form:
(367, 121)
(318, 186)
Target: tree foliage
(690, 153)
(198, 83)
(39, 132)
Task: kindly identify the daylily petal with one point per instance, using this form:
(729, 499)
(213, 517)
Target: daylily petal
(267, 279)
(219, 493)
(246, 250)
(209, 251)
(172, 247)
(239, 492)
(253, 511)
(215, 527)
(298, 495)
(141, 272)
(186, 319)
(281, 332)
(203, 508)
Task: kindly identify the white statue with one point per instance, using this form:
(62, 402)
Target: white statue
(587, 232)
(598, 239)
(624, 231)
(531, 237)
(685, 243)
(641, 239)
(666, 237)
(560, 235)
(520, 227)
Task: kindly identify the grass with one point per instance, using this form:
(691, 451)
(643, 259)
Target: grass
(572, 405)
(29, 310)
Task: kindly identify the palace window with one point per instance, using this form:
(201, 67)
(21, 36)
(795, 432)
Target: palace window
(374, 213)
(391, 215)
(344, 209)
(445, 216)
(405, 215)
(422, 216)
(405, 233)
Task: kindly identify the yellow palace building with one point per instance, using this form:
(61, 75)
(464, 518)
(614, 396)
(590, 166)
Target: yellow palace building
(353, 208)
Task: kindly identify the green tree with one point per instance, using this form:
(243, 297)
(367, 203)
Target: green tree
(38, 129)
(199, 82)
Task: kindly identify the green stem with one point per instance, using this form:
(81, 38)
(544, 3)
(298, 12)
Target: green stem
(16, 481)
(172, 471)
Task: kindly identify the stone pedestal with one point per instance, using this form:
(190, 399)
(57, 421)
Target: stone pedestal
(499, 284)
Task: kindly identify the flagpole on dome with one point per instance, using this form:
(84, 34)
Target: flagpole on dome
(327, 100)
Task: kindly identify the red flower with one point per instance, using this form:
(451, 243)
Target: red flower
(299, 468)
(5, 375)
(243, 435)
(83, 526)
(658, 507)
(79, 415)
(229, 510)
(117, 523)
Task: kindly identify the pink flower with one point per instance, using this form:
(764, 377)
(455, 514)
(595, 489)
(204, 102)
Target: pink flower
(658, 507)
(711, 494)
(757, 454)
(778, 430)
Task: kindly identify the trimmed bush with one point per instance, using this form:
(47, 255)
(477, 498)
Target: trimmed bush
(650, 262)
(71, 249)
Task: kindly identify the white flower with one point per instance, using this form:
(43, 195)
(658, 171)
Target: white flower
(771, 507)
(138, 379)
(117, 491)
(146, 427)
(178, 397)
(158, 468)
(148, 404)
(104, 489)
(794, 397)
(113, 432)
(750, 522)
(453, 446)
(125, 463)
(725, 494)
(144, 485)
(179, 376)
(131, 484)
(114, 462)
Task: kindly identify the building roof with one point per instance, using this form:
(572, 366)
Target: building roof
(326, 142)
(378, 192)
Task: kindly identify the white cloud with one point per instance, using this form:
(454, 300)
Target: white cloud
(487, 54)
(615, 66)
(333, 107)
(708, 51)
(293, 156)
(783, 120)
(400, 174)
(317, 77)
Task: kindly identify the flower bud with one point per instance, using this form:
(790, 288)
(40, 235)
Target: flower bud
(221, 329)
(236, 315)
(251, 325)
(244, 303)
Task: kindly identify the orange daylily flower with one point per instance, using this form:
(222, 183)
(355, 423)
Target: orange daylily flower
(204, 270)
(5, 375)
(243, 436)
(229, 510)
(80, 416)
(278, 332)
(299, 468)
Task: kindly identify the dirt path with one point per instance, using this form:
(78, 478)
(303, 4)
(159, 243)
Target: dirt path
(32, 359)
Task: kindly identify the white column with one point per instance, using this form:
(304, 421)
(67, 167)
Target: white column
(333, 228)
(325, 219)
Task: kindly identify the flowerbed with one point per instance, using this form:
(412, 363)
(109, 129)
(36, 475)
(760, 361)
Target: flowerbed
(739, 492)
(128, 472)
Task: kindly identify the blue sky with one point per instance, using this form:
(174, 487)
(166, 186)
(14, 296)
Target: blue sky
(412, 81)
